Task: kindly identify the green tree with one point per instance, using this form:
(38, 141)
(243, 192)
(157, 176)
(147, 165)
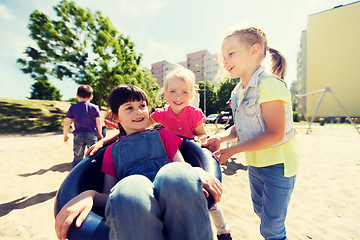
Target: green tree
(44, 90)
(148, 83)
(224, 92)
(81, 46)
(211, 97)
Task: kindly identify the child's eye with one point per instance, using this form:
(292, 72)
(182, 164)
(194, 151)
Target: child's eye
(129, 108)
(143, 106)
(231, 53)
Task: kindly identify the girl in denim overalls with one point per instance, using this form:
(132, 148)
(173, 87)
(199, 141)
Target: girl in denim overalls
(146, 197)
(261, 105)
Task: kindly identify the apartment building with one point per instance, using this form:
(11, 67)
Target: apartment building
(158, 71)
(202, 63)
(329, 58)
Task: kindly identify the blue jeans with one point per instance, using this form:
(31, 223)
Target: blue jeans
(81, 140)
(270, 193)
(173, 207)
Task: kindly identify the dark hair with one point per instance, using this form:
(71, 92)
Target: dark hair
(84, 91)
(250, 36)
(122, 94)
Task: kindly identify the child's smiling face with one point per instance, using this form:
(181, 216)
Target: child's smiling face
(133, 116)
(178, 94)
(236, 56)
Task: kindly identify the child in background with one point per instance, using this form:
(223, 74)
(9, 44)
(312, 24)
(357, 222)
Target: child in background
(263, 118)
(146, 197)
(186, 120)
(87, 120)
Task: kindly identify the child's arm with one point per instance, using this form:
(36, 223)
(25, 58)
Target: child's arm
(99, 144)
(66, 128)
(213, 142)
(200, 134)
(178, 157)
(99, 127)
(274, 117)
(80, 206)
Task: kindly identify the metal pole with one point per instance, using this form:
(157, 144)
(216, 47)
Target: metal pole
(341, 106)
(205, 97)
(316, 109)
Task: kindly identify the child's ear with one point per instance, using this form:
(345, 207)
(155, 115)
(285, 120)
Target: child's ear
(255, 49)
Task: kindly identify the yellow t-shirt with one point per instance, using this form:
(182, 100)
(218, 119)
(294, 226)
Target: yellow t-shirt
(272, 89)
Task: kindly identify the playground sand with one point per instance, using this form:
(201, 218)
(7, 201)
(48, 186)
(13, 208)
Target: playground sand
(325, 203)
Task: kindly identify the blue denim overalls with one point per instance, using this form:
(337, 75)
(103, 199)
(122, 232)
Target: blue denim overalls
(140, 153)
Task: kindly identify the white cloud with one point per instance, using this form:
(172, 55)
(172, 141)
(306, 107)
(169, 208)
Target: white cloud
(5, 13)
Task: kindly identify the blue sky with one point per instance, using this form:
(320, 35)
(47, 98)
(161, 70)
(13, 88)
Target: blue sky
(161, 30)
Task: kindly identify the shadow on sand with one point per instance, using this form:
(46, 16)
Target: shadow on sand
(24, 202)
(230, 167)
(63, 167)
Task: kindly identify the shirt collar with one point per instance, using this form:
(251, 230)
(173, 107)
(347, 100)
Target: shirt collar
(183, 114)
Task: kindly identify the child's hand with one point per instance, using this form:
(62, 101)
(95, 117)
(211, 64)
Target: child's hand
(223, 154)
(212, 144)
(79, 207)
(211, 185)
(201, 139)
(66, 138)
(94, 148)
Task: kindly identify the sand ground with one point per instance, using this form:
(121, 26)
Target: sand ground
(325, 203)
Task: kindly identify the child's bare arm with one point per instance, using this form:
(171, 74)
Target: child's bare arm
(102, 142)
(99, 127)
(178, 157)
(200, 133)
(79, 207)
(66, 128)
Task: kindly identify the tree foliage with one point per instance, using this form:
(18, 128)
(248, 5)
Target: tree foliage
(207, 89)
(216, 97)
(82, 46)
(44, 90)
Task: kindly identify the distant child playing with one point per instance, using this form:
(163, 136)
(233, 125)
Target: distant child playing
(87, 120)
(149, 191)
(263, 118)
(186, 120)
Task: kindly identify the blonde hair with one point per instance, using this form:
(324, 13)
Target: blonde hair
(250, 36)
(185, 74)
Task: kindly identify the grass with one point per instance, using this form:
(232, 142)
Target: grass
(31, 116)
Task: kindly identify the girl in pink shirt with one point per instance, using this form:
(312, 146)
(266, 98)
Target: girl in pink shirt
(180, 117)
(183, 119)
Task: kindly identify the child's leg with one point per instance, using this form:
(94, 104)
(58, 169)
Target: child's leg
(81, 140)
(132, 212)
(276, 194)
(90, 139)
(179, 192)
(79, 147)
(219, 220)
